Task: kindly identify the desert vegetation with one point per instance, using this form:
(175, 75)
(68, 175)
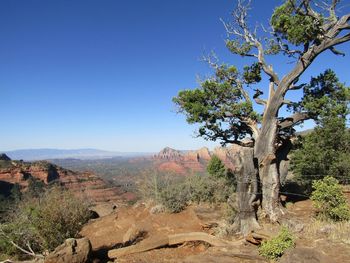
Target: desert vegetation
(41, 219)
(175, 195)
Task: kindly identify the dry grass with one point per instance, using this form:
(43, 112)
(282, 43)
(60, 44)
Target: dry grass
(333, 231)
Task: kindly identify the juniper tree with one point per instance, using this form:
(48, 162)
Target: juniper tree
(216, 167)
(326, 150)
(224, 106)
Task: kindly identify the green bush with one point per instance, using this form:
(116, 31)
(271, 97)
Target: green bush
(175, 198)
(175, 194)
(329, 200)
(43, 223)
(216, 167)
(275, 247)
(208, 189)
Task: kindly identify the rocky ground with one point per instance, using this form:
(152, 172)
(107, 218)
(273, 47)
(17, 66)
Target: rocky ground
(140, 226)
(144, 233)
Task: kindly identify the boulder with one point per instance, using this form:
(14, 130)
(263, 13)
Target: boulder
(71, 251)
(104, 209)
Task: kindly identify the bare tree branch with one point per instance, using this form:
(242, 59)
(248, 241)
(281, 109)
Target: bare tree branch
(336, 52)
(332, 15)
(293, 120)
(30, 253)
(297, 87)
(288, 102)
(257, 99)
(241, 30)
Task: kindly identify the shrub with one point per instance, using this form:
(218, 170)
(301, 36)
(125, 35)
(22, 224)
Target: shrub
(174, 198)
(230, 213)
(275, 247)
(329, 200)
(175, 194)
(43, 223)
(204, 188)
(153, 183)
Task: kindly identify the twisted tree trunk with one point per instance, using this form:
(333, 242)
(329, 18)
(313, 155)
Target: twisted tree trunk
(247, 191)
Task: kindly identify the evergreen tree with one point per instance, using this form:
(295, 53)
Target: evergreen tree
(224, 109)
(216, 167)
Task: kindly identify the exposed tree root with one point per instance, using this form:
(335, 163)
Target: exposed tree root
(153, 243)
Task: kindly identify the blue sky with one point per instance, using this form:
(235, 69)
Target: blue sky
(102, 74)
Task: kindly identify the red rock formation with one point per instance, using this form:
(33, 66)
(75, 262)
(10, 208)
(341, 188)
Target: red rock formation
(81, 183)
(185, 163)
(172, 166)
(169, 154)
(180, 162)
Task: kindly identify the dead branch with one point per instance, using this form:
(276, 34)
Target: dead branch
(153, 243)
(241, 30)
(30, 253)
(256, 96)
(293, 120)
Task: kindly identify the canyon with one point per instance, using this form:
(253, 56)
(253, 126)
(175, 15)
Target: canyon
(84, 184)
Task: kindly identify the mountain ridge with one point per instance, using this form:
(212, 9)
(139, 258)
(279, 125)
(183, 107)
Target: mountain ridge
(53, 153)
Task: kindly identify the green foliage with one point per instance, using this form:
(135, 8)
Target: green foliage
(16, 193)
(174, 198)
(238, 48)
(43, 222)
(293, 26)
(209, 189)
(324, 97)
(219, 106)
(273, 47)
(36, 187)
(275, 247)
(216, 167)
(230, 212)
(176, 194)
(329, 200)
(326, 150)
(252, 74)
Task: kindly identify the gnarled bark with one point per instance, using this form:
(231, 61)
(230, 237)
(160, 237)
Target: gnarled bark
(247, 192)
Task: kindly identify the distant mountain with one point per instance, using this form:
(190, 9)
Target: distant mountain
(83, 154)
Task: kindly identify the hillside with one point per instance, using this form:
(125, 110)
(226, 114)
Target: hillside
(85, 184)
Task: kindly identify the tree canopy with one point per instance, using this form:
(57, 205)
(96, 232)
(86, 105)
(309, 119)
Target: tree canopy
(222, 104)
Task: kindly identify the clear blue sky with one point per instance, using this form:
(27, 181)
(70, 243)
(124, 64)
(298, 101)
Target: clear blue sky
(102, 73)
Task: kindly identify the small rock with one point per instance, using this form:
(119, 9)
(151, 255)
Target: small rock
(71, 251)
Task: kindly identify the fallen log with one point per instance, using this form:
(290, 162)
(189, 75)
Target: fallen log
(153, 243)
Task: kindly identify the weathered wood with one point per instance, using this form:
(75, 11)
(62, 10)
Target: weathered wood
(157, 242)
(247, 192)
